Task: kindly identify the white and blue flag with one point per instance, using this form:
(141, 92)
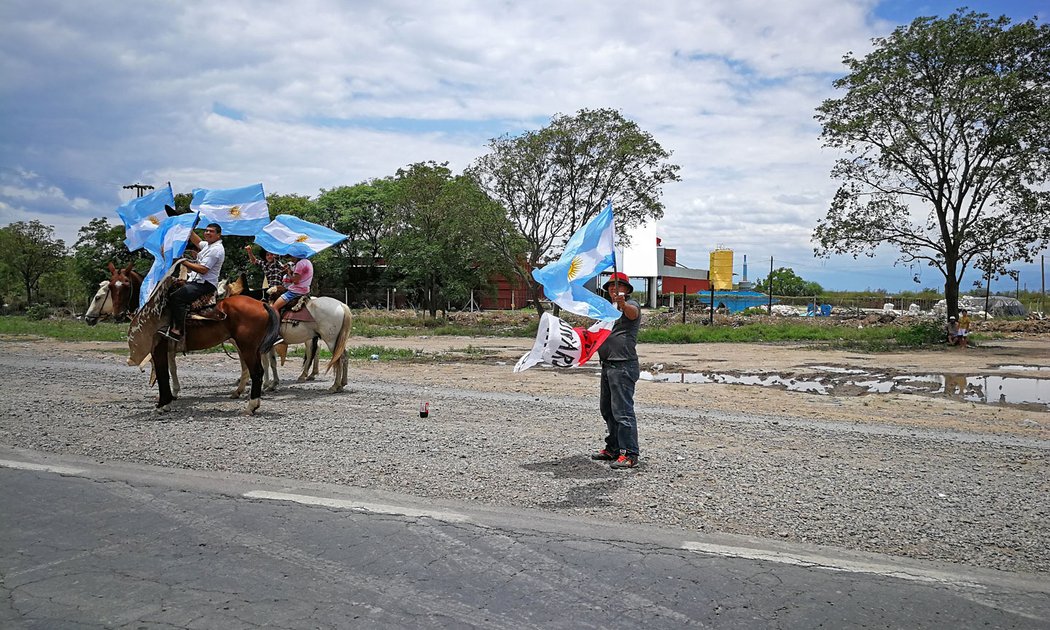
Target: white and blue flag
(587, 253)
(288, 235)
(143, 215)
(240, 211)
(167, 244)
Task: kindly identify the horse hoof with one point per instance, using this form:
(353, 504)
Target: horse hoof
(235, 395)
(253, 404)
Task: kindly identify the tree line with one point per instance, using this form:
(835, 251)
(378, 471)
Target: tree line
(434, 234)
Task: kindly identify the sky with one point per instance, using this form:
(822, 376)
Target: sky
(315, 94)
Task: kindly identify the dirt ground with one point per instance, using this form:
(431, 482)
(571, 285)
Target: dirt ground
(915, 473)
(472, 359)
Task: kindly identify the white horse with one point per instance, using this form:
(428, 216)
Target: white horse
(332, 324)
(101, 306)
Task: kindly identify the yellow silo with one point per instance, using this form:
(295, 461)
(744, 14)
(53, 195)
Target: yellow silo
(721, 272)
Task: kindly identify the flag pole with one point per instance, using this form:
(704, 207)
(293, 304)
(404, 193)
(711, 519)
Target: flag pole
(615, 263)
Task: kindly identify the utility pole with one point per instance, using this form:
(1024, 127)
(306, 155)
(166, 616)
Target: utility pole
(769, 287)
(139, 188)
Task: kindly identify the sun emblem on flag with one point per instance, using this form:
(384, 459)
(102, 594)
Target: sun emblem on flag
(154, 220)
(235, 211)
(574, 267)
(302, 238)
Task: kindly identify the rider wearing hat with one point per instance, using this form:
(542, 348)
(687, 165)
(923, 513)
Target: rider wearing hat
(620, 373)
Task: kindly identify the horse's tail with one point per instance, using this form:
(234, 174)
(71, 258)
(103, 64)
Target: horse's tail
(340, 342)
(273, 329)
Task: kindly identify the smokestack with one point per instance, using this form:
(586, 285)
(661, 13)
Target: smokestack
(745, 268)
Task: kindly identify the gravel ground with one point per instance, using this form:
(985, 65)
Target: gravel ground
(900, 485)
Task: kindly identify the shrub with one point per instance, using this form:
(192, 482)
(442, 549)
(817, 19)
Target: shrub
(924, 333)
(38, 311)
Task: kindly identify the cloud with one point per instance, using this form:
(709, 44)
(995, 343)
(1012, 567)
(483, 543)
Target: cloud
(322, 93)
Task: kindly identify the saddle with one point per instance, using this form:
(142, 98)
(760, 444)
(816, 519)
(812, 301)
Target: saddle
(205, 309)
(294, 311)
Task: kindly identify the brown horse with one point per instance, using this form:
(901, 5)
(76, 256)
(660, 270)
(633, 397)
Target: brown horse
(251, 324)
(121, 297)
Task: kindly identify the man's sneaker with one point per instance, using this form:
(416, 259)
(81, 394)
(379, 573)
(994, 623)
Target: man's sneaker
(603, 455)
(625, 461)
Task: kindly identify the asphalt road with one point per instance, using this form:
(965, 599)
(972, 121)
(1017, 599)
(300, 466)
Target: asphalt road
(88, 544)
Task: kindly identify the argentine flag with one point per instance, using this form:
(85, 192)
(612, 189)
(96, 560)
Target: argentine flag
(240, 211)
(167, 244)
(288, 235)
(143, 215)
(587, 253)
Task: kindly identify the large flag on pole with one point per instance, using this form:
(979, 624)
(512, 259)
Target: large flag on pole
(240, 211)
(288, 235)
(559, 344)
(167, 244)
(143, 215)
(587, 253)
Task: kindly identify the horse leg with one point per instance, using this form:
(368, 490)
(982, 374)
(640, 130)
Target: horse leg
(255, 368)
(243, 380)
(346, 367)
(310, 357)
(160, 364)
(175, 387)
(270, 378)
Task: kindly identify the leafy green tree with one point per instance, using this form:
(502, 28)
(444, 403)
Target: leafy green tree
(945, 126)
(786, 282)
(359, 212)
(30, 250)
(554, 180)
(436, 234)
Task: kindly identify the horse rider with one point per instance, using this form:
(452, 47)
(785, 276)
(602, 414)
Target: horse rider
(296, 282)
(201, 281)
(272, 268)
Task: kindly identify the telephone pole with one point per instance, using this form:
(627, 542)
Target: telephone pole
(139, 188)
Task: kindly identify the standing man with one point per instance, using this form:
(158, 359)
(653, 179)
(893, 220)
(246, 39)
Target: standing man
(620, 372)
(202, 280)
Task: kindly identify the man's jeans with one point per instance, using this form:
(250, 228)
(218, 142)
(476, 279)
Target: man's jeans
(181, 299)
(617, 405)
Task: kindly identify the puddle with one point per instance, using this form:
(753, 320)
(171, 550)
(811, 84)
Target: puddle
(1024, 368)
(1013, 391)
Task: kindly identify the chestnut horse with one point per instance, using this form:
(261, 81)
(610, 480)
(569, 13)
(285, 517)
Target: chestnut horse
(121, 296)
(251, 324)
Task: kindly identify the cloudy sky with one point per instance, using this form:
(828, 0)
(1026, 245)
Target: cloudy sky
(316, 94)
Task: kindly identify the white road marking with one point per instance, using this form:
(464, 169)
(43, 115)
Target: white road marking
(61, 470)
(833, 564)
(342, 504)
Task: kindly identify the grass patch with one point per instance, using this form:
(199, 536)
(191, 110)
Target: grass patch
(62, 329)
(385, 354)
(868, 338)
(375, 324)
